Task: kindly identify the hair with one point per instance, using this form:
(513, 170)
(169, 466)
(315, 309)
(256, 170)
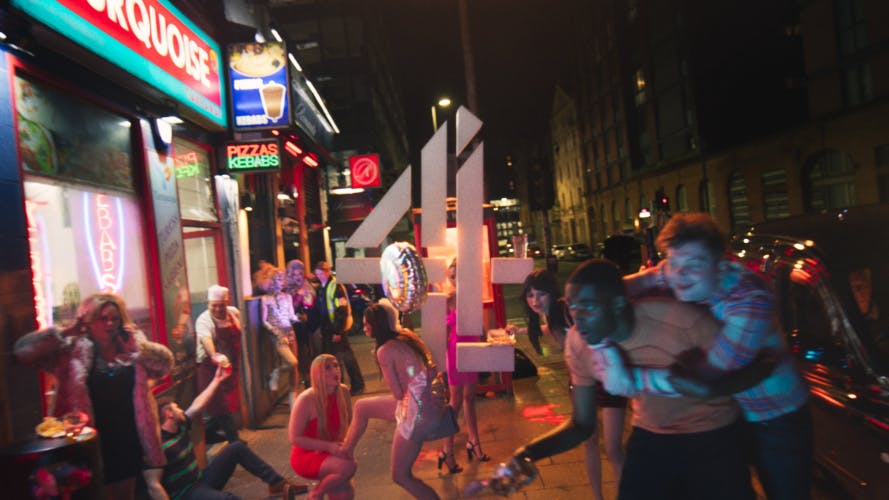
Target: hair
(163, 402)
(319, 386)
(546, 282)
(606, 278)
(322, 264)
(91, 306)
(699, 227)
(265, 275)
(377, 317)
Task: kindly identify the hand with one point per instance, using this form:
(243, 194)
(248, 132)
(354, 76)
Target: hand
(690, 387)
(511, 330)
(609, 368)
(222, 373)
(508, 477)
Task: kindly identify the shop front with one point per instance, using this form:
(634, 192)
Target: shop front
(111, 124)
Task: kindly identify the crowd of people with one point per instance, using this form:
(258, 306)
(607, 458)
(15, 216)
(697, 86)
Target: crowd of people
(713, 389)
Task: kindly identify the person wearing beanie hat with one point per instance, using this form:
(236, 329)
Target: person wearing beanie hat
(218, 330)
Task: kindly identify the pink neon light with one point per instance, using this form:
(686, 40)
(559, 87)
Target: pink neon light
(107, 245)
(40, 307)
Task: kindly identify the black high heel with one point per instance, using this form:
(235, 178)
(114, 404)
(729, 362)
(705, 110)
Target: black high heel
(443, 459)
(471, 450)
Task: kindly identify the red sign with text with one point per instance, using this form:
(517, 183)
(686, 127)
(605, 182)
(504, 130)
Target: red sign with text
(151, 30)
(365, 171)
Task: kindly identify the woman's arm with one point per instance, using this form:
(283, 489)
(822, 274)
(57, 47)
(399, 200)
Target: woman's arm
(40, 348)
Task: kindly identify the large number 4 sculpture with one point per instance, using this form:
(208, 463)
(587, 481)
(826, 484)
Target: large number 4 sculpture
(470, 199)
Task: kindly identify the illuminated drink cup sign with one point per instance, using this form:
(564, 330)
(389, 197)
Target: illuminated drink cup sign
(253, 156)
(272, 95)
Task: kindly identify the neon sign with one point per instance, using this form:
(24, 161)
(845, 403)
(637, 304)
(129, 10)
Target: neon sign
(105, 242)
(187, 165)
(41, 302)
(254, 156)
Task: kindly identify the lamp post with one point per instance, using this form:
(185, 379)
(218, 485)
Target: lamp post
(443, 103)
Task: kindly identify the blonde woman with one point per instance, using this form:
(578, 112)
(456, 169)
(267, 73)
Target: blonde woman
(318, 424)
(104, 366)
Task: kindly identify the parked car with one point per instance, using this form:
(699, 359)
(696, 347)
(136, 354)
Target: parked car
(560, 251)
(830, 273)
(535, 251)
(578, 251)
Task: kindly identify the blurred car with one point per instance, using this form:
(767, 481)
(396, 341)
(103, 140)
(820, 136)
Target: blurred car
(830, 274)
(560, 251)
(535, 251)
(578, 251)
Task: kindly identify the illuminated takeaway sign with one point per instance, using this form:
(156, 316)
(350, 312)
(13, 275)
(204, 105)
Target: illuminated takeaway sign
(253, 156)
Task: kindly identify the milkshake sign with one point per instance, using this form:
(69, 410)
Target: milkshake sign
(259, 83)
(150, 39)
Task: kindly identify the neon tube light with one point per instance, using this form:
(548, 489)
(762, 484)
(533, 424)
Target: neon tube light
(41, 305)
(106, 251)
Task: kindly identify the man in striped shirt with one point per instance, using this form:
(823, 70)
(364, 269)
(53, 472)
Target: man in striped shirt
(696, 269)
(184, 480)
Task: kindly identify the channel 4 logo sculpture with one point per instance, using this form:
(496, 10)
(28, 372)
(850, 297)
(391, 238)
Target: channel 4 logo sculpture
(401, 269)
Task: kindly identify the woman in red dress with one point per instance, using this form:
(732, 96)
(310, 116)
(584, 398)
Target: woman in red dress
(318, 423)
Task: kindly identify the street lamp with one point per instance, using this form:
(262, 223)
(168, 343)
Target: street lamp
(444, 102)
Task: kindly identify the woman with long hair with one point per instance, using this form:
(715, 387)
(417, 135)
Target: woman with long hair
(318, 423)
(278, 317)
(547, 314)
(303, 294)
(408, 370)
(104, 366)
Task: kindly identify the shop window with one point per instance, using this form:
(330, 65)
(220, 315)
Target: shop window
(54, 141)
(193, 182)
(201, 253)
(84, 240)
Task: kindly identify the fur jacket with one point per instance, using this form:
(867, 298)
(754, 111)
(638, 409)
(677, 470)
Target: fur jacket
(71, 359)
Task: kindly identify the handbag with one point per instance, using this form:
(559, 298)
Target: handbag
(441, 419)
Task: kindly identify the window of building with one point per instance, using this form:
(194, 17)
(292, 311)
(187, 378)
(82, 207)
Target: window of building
(739, 206)
(639, 90)
(629, 214)
(333, 38)
(828, 181)
(681, 198)
(776, 203)
(707, 202)
(852, 40)
(193, 181)
(615, 215)
(53, 140)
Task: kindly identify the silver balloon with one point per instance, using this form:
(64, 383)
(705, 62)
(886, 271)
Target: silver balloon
(404, 276)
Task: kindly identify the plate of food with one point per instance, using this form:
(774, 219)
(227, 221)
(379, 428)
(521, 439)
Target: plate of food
(51, 427)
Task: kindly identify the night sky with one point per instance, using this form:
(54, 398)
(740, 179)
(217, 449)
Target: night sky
(520, 49)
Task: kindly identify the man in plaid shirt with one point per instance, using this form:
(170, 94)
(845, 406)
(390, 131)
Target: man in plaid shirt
(696, 269)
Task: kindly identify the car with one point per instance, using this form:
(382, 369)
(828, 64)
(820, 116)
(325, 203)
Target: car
(830, 275)
(535, 251)
(578, 251)
(560, 251)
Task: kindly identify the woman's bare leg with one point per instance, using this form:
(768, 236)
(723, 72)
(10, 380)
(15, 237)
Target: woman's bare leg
(404, 452)
(593, 461)
(335, 473)
(380, 407)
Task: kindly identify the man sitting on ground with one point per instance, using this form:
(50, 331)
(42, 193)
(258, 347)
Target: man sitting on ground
(183, 480)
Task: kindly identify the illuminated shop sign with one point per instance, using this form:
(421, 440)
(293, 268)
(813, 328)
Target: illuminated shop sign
(259, 85)
(253, 156)
(187, 165)
(150, 39)
(42, 305)
(104, 221)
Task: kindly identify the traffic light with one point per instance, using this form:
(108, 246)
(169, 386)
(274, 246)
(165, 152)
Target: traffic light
(661, 202)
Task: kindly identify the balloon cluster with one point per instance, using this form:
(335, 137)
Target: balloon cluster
(404, 276)
(508, 477)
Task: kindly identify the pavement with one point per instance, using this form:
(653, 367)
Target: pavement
(505, 422)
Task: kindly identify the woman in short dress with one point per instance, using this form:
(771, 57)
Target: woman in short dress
(318, 422)
(408, 371)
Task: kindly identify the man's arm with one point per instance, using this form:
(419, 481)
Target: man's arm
(204, 397)
(570, 433)
(638, 283)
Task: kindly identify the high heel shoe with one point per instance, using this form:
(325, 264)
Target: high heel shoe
(472, 451)
(447, 459)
